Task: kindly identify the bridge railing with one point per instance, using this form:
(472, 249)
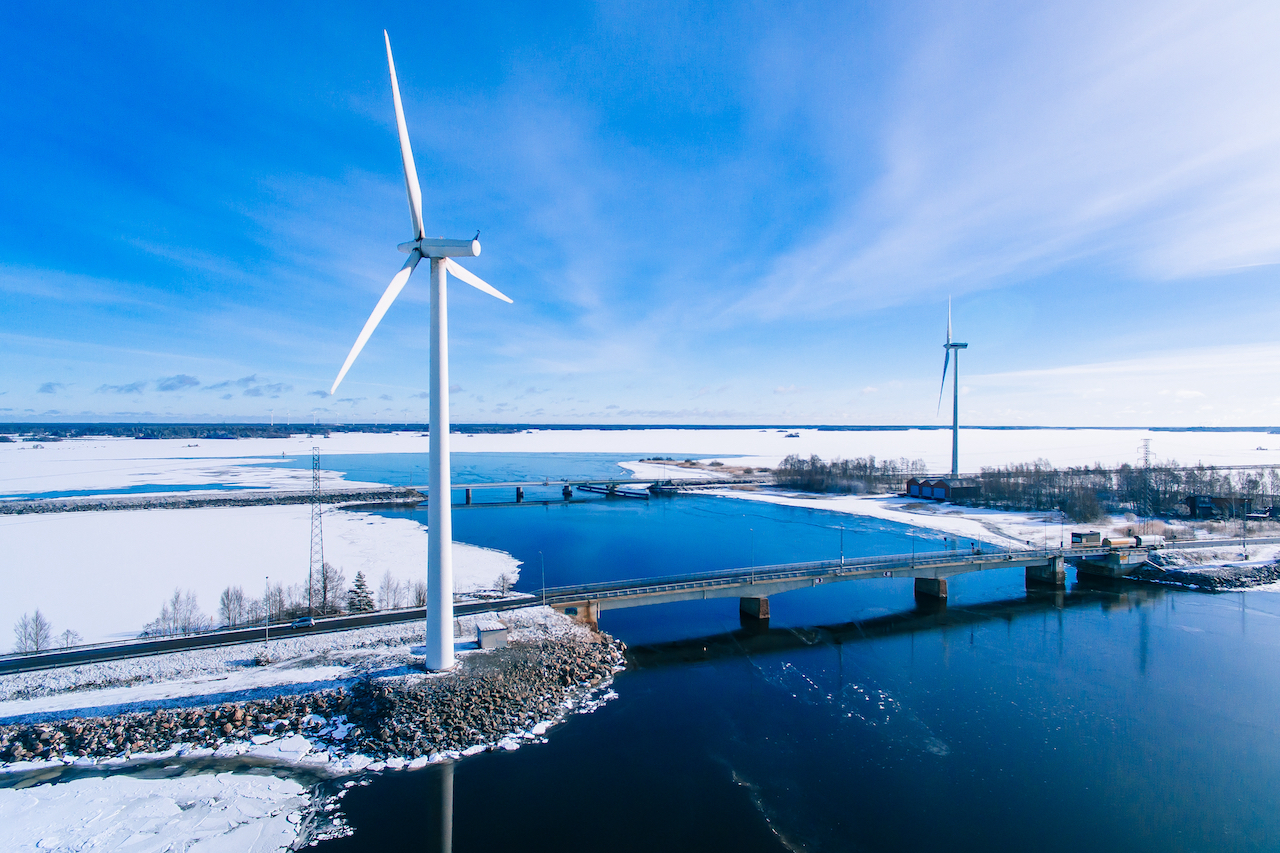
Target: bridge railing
(785, 571)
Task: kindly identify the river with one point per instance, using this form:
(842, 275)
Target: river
(1110, 716)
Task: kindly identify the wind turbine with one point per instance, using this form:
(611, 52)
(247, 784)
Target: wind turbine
(955, 393)
(439, 639)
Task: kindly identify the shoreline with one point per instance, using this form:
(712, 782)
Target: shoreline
(497, 699)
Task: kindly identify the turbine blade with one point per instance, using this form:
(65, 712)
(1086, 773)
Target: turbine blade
(472, 279)
(406, 153)
(388, 296)
(945, 363)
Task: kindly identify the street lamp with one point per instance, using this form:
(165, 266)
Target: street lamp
(543, 563)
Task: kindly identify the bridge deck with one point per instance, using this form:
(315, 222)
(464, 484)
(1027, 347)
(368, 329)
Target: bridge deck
(770, 580)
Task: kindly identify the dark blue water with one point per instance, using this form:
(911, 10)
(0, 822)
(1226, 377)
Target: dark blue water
(1111, 716)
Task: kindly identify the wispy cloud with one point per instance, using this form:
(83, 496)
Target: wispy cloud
(1141, 135)
(131, 388)
(50, 388)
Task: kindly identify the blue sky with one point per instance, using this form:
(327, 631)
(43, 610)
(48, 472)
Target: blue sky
(705, 214)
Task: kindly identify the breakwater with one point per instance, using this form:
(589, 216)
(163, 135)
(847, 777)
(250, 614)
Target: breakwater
(192, 501)
(486, 698)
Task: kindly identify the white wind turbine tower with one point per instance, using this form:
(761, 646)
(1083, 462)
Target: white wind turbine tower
(439, 639)
(955, 393)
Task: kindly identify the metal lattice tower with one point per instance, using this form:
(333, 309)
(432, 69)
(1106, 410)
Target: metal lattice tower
(317, 535)
(1146, 483)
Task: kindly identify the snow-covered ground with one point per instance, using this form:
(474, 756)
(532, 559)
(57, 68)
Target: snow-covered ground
(224, 811)
(106, 574)
(210, 813)
(207, 676)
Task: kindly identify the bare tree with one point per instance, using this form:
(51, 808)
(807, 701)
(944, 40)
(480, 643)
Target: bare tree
(332, 588)
(32, 633)
(254, 612)
(68, 639)
(231, 607)
(504, 583)
(179, 615)
(274, 601)
(418, 594)
(390, 592)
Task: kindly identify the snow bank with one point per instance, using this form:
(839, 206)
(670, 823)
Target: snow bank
(1006, 529)
(209, 813)
(106, 574)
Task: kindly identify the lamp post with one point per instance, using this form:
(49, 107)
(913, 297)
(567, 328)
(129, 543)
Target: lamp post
(543, 563)
(752, 531)
(266, 608)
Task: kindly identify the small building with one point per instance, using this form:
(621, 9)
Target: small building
(943, 488)
(1086, 537)
(491, 634)
(1208, 506)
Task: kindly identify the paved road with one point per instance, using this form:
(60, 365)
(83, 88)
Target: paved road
(141, 648)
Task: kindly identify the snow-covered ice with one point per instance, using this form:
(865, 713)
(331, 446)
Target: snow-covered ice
(106, 574)
(208, 813)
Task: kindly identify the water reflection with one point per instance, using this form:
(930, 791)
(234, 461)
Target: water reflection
(758, 638)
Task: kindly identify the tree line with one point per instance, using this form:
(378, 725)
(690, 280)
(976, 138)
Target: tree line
(1083, 493)
(1086, 493)
(849, 476)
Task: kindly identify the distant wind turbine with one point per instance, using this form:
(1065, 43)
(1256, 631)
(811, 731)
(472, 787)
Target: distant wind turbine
(439, 639)
(955, 392)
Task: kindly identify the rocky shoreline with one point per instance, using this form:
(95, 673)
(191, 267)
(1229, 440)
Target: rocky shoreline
(1211, 578)
(487, 698)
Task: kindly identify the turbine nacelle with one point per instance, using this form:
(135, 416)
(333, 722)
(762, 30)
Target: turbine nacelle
(438, 247)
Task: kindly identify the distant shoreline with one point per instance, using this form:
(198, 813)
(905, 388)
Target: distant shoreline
(249, 429)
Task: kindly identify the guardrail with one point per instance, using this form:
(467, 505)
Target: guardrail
(143, 647)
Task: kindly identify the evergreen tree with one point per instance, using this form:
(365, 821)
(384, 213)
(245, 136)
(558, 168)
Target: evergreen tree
(360, 599)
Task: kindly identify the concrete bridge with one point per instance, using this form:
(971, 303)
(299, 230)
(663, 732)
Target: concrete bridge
(753, 586)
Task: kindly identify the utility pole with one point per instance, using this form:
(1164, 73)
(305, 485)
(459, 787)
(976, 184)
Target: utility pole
(317, 534)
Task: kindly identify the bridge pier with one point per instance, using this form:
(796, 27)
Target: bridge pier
(1116, 564)
(754, 607)
(587, 613)
(468, 497)
(1052, 573)
(519, 494)
(933, 588)
(566, 492)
